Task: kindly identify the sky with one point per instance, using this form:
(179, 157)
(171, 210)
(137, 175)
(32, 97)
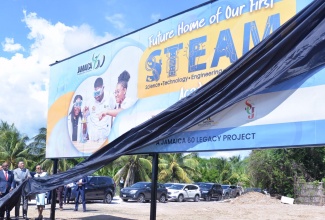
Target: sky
(35, 34)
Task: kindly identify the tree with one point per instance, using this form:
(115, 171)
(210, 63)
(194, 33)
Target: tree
(38, 151)
(134, 168)
(239, 174)
(13, 147)
(276, 169)
(177, 167)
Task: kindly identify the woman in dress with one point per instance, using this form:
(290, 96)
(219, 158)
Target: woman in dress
(40, 198)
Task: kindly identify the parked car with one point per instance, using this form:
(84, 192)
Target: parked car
(240, 190)
(167, 185)
(97, 188)
(210, 190)
(141, 191)
(230, 191)
(181, 192)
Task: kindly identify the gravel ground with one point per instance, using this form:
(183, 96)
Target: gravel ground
(251, 206)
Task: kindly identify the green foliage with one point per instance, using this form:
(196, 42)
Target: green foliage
(278, 169)
(133, 168)
(178, 168)
(13, 146)
(323, 181)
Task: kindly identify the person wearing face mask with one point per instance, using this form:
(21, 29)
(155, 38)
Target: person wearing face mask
(6, 185)
(20, 175)
(98, 128)
(76, 122)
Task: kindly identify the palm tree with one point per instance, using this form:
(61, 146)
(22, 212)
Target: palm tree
(239, 174)
(38, 148)
(134, 168)
(13, 147)
(108, 170)
(177, 167)
(39, 142)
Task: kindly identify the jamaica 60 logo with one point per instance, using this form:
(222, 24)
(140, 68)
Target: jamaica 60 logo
(96, 62)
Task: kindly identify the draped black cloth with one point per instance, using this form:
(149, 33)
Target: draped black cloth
(296, 47)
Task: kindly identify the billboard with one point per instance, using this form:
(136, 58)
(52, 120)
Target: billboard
(98, 95)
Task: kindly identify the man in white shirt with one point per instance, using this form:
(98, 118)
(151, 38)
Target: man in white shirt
(99, 127)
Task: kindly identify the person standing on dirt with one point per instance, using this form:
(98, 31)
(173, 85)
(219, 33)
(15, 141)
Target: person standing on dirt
(67, 193)
(20, 175)
(7, 184)
(121, 184)
(59, 193)
(80, 192)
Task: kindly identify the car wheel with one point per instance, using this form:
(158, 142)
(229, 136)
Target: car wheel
(162, 198)
(108, 198)
(124, 200)
(140, 198)
(196, 198)
(219, 197)
(208, 198)
(227, 196)
(80, 200)
(180, 198)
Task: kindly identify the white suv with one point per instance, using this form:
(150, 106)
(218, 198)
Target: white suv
(181, 192)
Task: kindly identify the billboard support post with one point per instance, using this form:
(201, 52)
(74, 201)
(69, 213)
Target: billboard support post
(153, 204)
(53, 194)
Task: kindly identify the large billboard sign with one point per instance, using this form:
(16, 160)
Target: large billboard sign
(96, 96)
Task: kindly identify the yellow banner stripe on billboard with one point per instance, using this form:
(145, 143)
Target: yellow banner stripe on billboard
(210, 36)
(58, 110)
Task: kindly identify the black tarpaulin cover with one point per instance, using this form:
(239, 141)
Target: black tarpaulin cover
(296, 47)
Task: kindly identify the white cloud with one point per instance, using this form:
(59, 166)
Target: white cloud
(24, 80)
(117, 20)
(155, 17)
(9, 45)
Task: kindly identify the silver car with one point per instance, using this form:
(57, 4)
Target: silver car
(181, 192)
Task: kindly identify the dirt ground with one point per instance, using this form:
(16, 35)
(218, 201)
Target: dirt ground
(250, 206)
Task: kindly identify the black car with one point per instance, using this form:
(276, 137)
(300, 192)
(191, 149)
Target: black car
(97, 188)
(141, 191)
(210, 190)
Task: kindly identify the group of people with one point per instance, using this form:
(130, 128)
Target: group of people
(94, 121)
(9, 179)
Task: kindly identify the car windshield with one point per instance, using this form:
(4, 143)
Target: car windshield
(176, 186)
(225, 187)
(168, 184)
(140, 185)
(205, 186)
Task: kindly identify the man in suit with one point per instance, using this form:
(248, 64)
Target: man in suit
(6, 185)
(80, 191)
(20, 175)
(67, 192)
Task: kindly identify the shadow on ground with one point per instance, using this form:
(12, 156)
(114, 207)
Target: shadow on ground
(97, 217)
